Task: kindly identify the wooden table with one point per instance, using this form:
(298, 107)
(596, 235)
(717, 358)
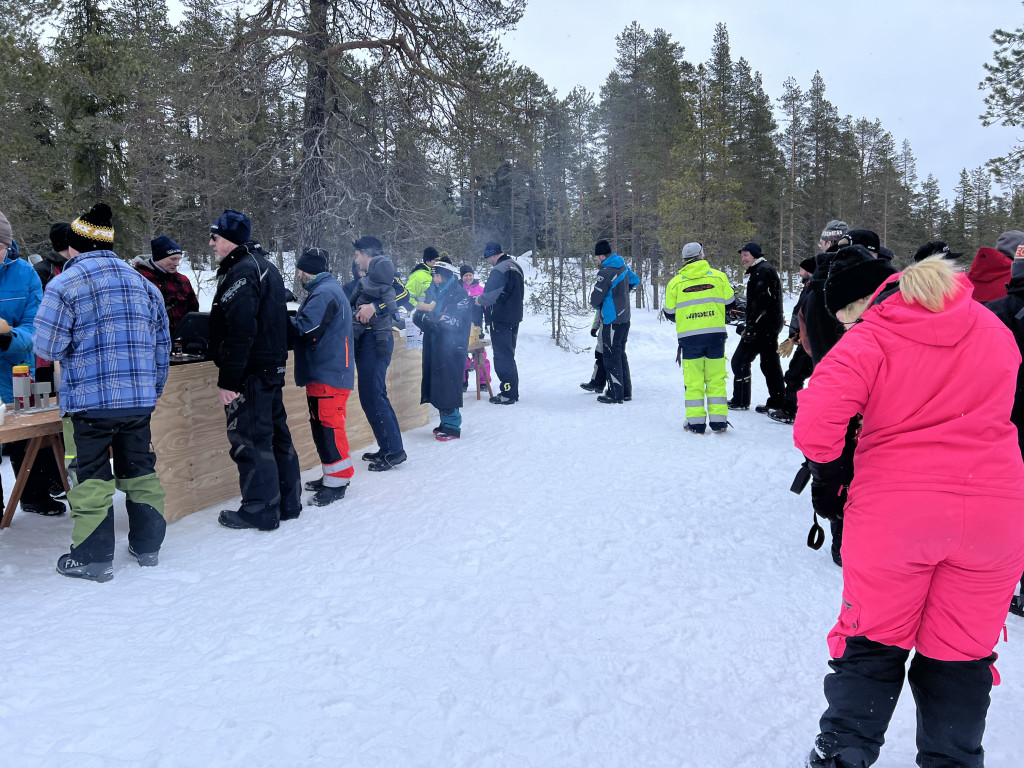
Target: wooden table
(476, 349)
(42, 429)
(190, 438)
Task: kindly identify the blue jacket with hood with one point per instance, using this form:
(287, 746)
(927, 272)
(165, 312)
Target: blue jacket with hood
(20, 294)
(611, 291)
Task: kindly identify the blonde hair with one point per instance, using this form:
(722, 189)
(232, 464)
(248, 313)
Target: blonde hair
(929, 283)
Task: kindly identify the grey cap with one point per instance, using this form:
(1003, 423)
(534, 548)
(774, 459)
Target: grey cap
(834, 230)
(6, 233)
(1009, 242)
(692, 251)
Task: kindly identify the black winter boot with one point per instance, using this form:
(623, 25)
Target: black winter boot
(740, 395)
(952, 702)
(862, 694)
(1017, 605)
(328, 494)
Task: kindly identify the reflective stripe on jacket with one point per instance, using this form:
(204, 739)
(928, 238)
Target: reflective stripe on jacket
(697, 297)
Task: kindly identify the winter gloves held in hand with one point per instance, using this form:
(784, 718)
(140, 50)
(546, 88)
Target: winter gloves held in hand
(786, 348)
(828, 488)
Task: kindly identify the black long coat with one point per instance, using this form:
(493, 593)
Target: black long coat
(445, 345)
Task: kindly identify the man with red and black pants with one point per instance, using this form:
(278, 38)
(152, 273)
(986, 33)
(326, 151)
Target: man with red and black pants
(760, 333)
(249, 343)
(321, 335)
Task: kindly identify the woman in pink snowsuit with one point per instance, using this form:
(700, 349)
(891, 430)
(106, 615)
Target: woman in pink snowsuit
(934, 521)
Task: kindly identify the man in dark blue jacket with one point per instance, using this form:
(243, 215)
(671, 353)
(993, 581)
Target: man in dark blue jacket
(374, 301)
(503, 293)
(611, 297)
(249, 342)
(321, 334)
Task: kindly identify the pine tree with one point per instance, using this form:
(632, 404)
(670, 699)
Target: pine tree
(33, 193)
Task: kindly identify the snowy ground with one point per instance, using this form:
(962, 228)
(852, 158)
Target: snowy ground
(571, 584)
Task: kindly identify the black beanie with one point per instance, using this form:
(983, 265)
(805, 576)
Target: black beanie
(59, 236)
(602, 248)
(935, 248)
(430, 253)
(233, 226)
(162, 247)
(313, 261)
(865, 237)
(809, 264)
(464, 270)
(93, 231)
(854, 274)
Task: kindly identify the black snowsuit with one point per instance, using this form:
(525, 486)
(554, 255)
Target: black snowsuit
(821, 328)
(1010, 309)
(800, 365)
(249, 342)
(760, 336)
(503, 294)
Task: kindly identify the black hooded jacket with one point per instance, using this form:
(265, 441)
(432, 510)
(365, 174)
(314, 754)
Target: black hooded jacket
(1010, 309)
(764, 300)
(822, 329)
(248, 319)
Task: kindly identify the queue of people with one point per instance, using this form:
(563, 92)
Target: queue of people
(110, 327)
(931, 554)
(906, 426)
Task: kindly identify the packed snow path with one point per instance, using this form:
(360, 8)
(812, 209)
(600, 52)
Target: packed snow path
(571, 584)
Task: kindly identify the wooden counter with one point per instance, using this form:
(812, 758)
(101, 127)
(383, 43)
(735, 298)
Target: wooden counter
(190, 433)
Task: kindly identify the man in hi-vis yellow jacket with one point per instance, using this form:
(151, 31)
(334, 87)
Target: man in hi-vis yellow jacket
(697, 299)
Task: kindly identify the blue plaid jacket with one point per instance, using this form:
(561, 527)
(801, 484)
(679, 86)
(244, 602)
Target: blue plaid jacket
(107, 326)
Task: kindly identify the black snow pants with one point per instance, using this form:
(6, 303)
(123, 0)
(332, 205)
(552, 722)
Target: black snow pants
(766, 345)
(261, 447)
(952, 700)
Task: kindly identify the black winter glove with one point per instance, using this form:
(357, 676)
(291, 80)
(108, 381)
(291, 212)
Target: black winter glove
(741, 328)
(828, 488)
(593, 331)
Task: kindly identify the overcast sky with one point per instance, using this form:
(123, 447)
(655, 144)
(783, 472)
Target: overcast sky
(915, 65)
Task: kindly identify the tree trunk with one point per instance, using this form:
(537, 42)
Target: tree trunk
(313, 171)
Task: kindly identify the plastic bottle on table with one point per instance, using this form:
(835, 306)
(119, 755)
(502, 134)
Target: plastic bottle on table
(21, 373)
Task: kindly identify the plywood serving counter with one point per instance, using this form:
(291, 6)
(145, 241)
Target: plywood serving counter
(190, 438)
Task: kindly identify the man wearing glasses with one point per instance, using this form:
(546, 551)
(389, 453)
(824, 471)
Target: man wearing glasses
(249, 342)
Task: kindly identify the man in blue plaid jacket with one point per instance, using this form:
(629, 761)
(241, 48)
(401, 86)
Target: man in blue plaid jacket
(107, 326)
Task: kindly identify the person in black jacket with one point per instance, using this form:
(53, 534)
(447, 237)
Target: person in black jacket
(503, 293)
(760, 332)
(1010, 309)
(249, 345)
(822, 330)
(611, 298)
(800, 367)
(445, 321)
(54, 262)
